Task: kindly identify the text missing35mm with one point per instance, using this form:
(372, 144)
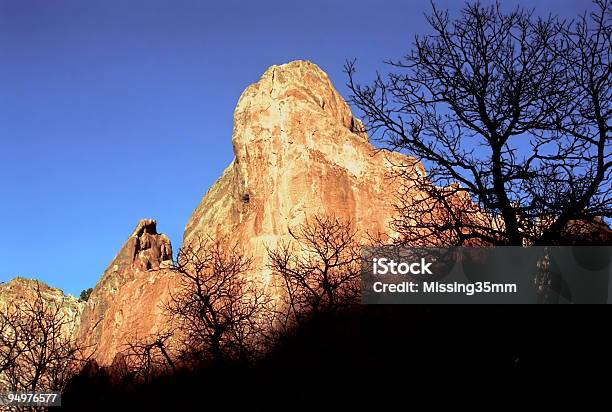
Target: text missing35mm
(468, 289)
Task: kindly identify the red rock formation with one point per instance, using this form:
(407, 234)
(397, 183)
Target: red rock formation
(299, 152)
(20, 295)
(126, 301)
(21, 289)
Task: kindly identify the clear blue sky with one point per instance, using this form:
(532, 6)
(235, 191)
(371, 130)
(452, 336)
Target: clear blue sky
(112, 111)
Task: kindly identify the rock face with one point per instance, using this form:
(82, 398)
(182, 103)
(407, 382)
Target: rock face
(587, 232)
(298, 152)
(25, 290)
(126, 301)
(23, 293)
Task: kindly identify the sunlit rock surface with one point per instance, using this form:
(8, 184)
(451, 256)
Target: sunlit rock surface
(126, 301)
(298, 152)
(20, 290)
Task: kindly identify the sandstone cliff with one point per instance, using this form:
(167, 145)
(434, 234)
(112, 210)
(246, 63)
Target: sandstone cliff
(20, 295)
(25, 290)
(298, 152)
(126, 300)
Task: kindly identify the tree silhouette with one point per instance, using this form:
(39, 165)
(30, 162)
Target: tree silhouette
(85, 294)
(217, 308)
(510, 115)
(149, 356)
(37, 348)
(319, 268)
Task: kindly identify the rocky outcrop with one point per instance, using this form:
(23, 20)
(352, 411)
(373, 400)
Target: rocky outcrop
(33, 307)
(21, 289)
(298, 152)
(586, 232)
(126, 301)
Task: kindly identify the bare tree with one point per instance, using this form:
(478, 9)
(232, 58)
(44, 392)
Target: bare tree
(217, 308)
(149, 356)
(9, 343)
(319, 268)
(37, 348)
(510, 115)
(583, 178)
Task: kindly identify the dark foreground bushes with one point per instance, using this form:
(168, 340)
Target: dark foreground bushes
(374, 355)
